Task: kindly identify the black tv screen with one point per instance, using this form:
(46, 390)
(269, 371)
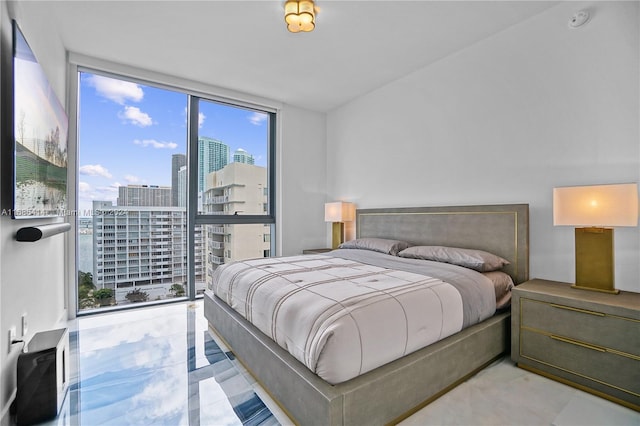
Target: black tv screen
(40, 138)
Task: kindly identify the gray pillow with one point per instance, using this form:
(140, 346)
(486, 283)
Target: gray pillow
(478, 260)
(502, 283)
(392, 247)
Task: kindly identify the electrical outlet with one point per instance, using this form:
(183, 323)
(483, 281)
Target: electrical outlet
(25, 325)
(12, 337)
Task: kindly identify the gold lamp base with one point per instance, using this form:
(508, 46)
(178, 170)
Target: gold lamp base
(594, 260)
(337, 234)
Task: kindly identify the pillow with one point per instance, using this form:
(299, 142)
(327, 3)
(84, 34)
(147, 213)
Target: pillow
(502, 283)
(392, 247)
(478, 260)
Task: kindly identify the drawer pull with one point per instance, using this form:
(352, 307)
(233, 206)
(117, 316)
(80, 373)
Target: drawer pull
(613, 351)
(584, 311)
(573, 342)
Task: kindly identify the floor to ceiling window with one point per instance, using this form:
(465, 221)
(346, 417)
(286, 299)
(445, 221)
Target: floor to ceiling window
(233, 183)
(170, 186)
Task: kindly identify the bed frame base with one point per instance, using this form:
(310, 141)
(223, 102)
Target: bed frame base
(384, 395)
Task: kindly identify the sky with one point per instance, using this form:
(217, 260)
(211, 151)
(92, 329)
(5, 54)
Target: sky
(127, 133)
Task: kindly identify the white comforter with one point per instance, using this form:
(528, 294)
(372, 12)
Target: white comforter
(342, 317)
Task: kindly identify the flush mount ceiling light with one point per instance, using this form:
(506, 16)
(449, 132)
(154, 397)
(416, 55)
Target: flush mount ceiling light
(300, 15)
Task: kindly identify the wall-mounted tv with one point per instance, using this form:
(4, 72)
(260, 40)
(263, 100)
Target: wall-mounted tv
(40, 138)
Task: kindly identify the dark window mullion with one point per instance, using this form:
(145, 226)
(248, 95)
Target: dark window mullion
(192, 191)
(233, 220)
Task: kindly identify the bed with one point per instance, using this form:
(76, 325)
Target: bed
(396, 389)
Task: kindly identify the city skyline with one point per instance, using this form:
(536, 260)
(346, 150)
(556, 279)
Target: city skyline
(139, 246)
(128, 133)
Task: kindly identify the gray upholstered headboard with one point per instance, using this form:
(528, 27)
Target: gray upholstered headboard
(499, 229)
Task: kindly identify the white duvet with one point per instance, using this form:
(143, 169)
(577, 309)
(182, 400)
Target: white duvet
(341, 317)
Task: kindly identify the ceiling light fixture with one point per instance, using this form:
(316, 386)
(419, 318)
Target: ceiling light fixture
(300, 15)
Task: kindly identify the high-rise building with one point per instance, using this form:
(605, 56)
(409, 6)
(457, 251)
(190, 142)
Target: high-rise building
(236, 189)
(177, 162)
(182, 187)
(213, 155)
(142, 247)
(242, 156)
(144, 195)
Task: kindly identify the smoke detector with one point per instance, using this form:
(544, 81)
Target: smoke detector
(579, 19)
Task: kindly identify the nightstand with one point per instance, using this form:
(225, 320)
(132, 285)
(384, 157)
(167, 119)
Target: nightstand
(585, 339)
(316, 251)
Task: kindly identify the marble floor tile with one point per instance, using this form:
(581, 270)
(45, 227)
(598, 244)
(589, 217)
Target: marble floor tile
(161, 365)
(585, 409)
(503, 394)
(155, 366)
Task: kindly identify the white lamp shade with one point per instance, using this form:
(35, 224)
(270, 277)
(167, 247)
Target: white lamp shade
(598, 205)
(339, 212)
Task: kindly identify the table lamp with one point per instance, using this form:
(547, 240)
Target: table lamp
(338, 212)
(594, 210)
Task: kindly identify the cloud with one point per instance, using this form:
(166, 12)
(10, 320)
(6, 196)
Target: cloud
(257, 118)
(95, 170)
(155, 144)
(132, 179)
(87, 194)
(110, 189)
(134, 116)
(117, 91)
(201, 117)
(84, 187)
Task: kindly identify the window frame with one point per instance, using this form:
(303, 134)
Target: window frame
(195, 91)
(193, 216)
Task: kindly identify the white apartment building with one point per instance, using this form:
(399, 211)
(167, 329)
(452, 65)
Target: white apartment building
(241, 189)
(143, 247)
(144, 195)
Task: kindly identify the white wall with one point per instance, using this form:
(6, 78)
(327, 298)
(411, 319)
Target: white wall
(504, 121)
(302, 173)
(31, 274)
